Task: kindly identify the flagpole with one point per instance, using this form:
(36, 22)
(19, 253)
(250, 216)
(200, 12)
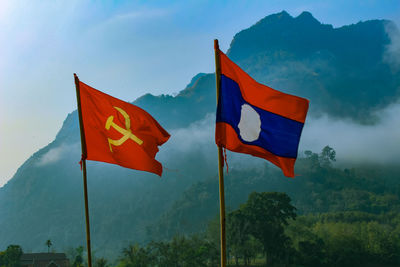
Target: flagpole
(83, 165)
(220, 164)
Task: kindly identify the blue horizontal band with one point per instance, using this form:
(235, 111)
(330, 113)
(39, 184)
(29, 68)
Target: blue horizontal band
(279, 135)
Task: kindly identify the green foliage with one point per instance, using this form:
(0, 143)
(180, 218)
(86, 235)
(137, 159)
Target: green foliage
(2, 260)
(134, 255)
(350, 238)
(241, 244)
(78, 257)
(325, 195)
(321, 187)
(311, 253)
(327, 156)
(180, 252)
(11, 256)
(346, 239)
(48, 244)
(101, 262)
(267, 214)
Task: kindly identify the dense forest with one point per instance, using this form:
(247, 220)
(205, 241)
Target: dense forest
(335, 217)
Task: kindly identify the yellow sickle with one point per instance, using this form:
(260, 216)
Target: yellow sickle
(127, 133)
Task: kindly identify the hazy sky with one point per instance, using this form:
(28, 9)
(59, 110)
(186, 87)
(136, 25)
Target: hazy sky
(125, 48)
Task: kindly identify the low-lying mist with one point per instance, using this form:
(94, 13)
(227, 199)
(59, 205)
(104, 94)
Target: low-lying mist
(353, 142)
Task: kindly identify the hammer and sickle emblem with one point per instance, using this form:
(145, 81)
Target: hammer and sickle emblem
(127, 132)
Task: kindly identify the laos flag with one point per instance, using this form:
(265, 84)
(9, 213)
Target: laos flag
(255, 119)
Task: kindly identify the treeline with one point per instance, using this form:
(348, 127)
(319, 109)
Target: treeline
(180, 251)
(333, 217)
(265, 231)
(346, 239)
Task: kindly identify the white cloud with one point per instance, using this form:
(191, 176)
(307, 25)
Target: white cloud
(392, 52)
(136, 15)
(128, 19)
(57, 153)
(199, 138)
(354, 142)
(198, 135)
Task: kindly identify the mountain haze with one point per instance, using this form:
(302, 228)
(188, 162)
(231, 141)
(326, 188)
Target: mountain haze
(343, 71)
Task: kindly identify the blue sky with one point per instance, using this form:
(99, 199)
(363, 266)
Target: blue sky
(125, 48)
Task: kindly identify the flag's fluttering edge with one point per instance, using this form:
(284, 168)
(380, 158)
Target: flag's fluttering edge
(255, 119)
(118, 132)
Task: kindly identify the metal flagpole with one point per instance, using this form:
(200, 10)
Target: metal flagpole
(83, 166)
(220, 164)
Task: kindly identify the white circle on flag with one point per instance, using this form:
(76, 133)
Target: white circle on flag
(249, 124)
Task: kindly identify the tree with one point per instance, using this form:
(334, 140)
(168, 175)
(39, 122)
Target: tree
(311, 253)
(2, 258)
(12, 255)
(241, 244)
(48, 244)
(183, 251)
(312, 161)
(78, 261)
(268, 214)
(327, 156)
(136, 256)
(101, 262)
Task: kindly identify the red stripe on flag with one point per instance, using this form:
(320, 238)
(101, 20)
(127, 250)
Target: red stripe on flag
(227, 137)
(262, 96)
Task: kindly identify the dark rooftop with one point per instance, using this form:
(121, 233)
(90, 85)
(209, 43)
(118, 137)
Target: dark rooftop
(43, 256)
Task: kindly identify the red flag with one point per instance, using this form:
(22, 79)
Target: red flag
(118, 132)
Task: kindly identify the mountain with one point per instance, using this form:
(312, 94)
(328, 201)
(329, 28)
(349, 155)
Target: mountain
(341, 70)
(344, 66)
